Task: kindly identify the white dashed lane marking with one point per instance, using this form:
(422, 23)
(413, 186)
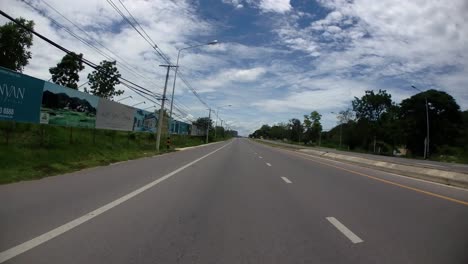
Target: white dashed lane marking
(286, 180)
(343, 229)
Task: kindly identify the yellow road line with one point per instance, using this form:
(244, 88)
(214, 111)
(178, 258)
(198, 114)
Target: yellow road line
(381, 180)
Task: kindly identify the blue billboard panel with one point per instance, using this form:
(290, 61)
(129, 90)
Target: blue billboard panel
(20, 97)
(144, 121)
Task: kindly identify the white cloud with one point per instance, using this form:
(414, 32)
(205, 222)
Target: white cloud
(279, 6)
(356, 46)
(228, 77)
(276, 6)
(377, 40)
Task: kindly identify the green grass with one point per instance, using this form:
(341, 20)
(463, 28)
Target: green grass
(32, 151)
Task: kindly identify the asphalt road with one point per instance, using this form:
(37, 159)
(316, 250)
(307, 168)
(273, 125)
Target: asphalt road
(232, 202)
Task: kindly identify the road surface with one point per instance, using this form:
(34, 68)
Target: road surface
(232, 202)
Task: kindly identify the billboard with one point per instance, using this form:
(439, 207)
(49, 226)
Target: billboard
(20, 97)
(68, 107)
(27, 99)
(144, 121)
(112, 115)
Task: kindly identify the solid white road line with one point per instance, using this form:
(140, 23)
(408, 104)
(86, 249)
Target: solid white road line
(268, 164)
(19, 249)
(343, 229)
(286, 180)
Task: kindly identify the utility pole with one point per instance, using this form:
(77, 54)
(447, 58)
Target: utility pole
(426, 152)
(216, 123)
(222, 127)
(161, 111)
(208, 125)
(426, 140)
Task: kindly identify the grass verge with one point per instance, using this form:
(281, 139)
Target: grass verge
(32, 151)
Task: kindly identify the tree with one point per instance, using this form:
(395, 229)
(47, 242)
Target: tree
(66, 71)
(371, 106)
(345, 116)
(104, 79)
(15, 43)
(444, 120)
(280, 131)
(203, 123)
(296, 129)
(369, 110)
(312, 126)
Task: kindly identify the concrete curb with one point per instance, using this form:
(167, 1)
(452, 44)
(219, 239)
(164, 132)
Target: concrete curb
(435, 175)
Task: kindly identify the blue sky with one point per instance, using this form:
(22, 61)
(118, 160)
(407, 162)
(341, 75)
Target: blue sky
(277, 59)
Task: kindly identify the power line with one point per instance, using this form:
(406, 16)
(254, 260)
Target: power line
(85, 61)
(153, 45)
(121, 61)
(84, 41)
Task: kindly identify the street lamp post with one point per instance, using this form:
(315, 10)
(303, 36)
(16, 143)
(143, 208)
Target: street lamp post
(426, 141)
(217, 112)
(214, 42)
(208, 125)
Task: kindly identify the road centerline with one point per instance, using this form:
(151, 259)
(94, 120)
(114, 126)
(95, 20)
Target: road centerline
(343, 229)
(268, 164)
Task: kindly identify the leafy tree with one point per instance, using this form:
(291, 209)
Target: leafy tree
(345, 116)
(369, 110)
(280, 131)
(371, 106)
(391, 129)
(203, 123)
(15, 43)
(66, 71)
(312, 126)
(463, 137)
(296, 129)
(220, 131)
(444, 120)
(103, 80)
(264, 132)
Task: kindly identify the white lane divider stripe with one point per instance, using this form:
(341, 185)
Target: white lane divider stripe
(268, 164)
(286, 180)
(21, 248)
(260, 157)
(343, 229)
